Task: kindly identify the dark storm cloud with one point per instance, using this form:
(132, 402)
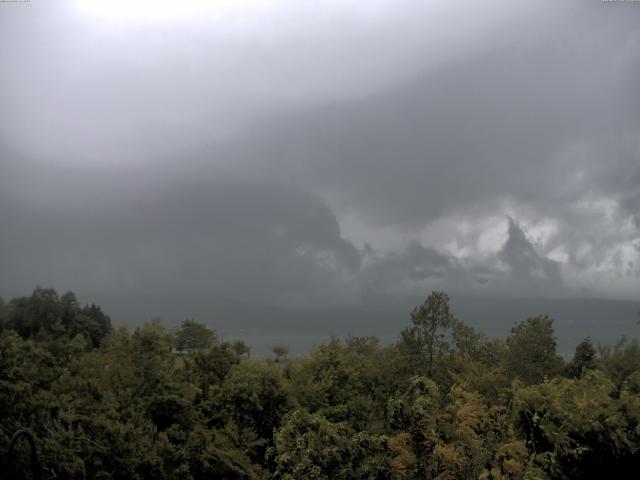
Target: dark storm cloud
(230, 236)
(324, 153)
(548, 125)
(385, 276)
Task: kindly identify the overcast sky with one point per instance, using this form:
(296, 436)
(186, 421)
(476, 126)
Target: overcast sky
(310, 152)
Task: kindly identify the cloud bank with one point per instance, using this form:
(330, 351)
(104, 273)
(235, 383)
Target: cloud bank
(322, 153)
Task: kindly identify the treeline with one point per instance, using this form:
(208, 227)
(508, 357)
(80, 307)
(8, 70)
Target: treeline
(443, 402)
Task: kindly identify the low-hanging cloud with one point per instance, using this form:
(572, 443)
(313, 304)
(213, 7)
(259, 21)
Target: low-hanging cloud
(300, 153)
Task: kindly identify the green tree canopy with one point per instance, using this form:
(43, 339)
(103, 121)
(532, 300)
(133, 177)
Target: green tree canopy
(532, 350)
(47, 315)
(428, 338)
(280, 351)
(192, 335)
(584, 359)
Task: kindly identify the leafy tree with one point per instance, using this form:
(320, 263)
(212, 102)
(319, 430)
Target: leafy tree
(113, 404)
(241, 348)
(95, 325)
(340, 384)
(254, 397)
(192, 336)
(220, 453)
(511, 462)
(45, 315)
(578, 426)
(309, 447)
(209, 367)
(584, 359)
(490, 382)
(415, 416)
(532, 350)
(428, 339)
(37, 313)
(622, 360)
(457, 435)
(154, 375)
(363, 345)
(280, 351)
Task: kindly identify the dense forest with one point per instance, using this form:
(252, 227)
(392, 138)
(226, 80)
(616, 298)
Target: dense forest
(442, 402)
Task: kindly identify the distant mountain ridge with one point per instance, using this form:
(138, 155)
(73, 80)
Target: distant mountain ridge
(262, 326)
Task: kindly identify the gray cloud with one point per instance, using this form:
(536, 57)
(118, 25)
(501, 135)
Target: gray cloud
(517, 269)
(306, 154)
(229, 236)
(528, 270)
